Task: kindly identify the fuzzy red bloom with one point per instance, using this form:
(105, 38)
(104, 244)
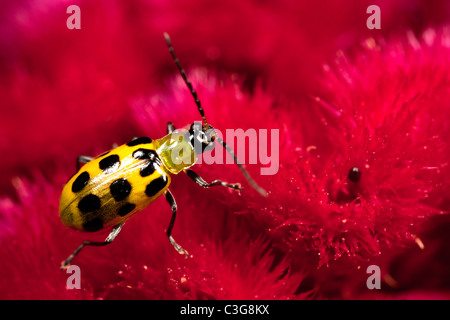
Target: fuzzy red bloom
(385, 114)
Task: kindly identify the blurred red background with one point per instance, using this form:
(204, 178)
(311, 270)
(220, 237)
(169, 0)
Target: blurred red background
(65, 93)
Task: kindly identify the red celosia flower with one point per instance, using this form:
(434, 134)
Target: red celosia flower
(225, 263)
(385, 113)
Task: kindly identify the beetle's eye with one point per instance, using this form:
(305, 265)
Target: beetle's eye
(196, 126)
(354, 175)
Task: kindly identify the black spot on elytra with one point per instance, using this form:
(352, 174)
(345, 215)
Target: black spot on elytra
(155, 186)
(147, 169)
(93, 225)
(141, 140)
(145, 154)
(110, 163)
(126, 209)
(120, 189)
(89, 203)
(354, 174)
(80, 182)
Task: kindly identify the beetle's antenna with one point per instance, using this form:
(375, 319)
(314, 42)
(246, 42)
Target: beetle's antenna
(186, 80)
(247, 176)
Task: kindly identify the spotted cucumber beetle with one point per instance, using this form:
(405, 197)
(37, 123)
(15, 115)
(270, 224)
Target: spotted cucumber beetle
(109, 189)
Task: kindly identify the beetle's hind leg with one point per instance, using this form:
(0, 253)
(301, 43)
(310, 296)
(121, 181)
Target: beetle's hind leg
(114, 232)
(171, 200)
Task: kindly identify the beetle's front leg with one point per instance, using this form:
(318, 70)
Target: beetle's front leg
(170, 127)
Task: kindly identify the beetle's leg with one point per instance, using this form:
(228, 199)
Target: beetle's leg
(170, 127)
(114, 232)
(199, 180)
(171, 200)
(82, 160)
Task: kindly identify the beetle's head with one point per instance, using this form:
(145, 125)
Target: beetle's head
(202, 140)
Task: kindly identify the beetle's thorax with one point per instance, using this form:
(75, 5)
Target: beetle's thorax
(176, 151)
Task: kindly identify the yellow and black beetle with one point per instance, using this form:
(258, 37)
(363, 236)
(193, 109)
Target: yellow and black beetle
(111, 188)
